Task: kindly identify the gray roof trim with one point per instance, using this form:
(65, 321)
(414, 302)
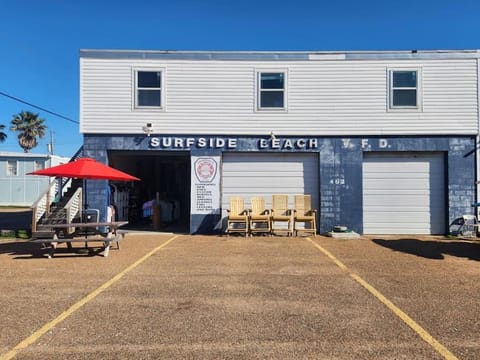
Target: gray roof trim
(278, 55)
(191, 55)
(408, 55)
(8, 154)
(23, 155)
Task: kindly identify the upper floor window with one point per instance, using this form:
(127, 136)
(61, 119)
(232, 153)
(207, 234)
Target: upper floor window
(149, 89)
(271, 90)
(39, 165)
(404, 89)
(12, 168)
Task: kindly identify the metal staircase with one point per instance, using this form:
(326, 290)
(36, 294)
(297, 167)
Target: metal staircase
(61, 203)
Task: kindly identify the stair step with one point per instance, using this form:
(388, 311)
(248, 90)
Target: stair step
(42, 234)
(58, 213)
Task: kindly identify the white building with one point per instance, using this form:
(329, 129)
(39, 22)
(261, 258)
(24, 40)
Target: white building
(19, 189)
(385, 142)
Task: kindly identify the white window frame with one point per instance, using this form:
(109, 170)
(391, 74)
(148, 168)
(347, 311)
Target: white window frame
(258, 74)
(135, 89)
(9, 169)
(419, 89)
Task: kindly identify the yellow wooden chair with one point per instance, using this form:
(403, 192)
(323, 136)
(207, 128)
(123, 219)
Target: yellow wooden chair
(259, 216)
(281, 215)
(303, 213)
(237, 216)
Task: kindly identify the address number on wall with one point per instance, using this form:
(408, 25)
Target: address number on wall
(337, 181)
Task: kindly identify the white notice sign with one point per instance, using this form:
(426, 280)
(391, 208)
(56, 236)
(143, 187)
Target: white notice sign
(205, 185)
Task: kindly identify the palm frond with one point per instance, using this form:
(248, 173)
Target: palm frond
(29, 126)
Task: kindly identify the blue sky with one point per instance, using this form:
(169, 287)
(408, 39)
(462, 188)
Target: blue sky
(40, 40)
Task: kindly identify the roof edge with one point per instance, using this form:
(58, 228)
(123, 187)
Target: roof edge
(276, 55)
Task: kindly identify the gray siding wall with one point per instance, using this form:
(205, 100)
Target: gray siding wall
(325, 97)
(22, 189)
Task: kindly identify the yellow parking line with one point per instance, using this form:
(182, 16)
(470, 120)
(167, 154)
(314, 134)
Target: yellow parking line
(442, 350)
(47, 327)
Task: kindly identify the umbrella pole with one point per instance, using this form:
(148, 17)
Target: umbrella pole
(85, 205)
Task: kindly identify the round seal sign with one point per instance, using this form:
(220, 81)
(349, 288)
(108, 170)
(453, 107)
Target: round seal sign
(205, 169)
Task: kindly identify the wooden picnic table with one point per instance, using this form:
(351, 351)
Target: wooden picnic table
(83, 232)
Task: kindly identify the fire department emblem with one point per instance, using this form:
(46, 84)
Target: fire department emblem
(205, 169)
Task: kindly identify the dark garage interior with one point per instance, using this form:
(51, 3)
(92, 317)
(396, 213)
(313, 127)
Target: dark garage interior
(161, 200)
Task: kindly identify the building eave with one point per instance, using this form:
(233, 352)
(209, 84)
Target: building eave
(277, 55)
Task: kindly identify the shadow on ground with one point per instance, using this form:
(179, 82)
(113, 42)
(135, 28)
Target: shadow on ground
(433, 249)
(29, 250)
(21, 248)
(15, 219)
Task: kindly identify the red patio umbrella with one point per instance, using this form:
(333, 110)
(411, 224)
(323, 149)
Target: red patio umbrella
(85, 168)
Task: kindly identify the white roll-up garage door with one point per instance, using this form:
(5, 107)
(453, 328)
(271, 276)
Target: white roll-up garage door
(403, 193)
(265, 174)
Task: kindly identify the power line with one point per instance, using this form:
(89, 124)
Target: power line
(38, 107)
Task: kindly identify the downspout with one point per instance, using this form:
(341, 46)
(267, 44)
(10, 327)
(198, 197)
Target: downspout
(477, 141)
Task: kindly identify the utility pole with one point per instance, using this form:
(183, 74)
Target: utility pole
(50, 145)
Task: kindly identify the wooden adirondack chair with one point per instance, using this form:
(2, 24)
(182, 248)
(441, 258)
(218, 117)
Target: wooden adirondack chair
(303, 213)
(259, 219)
(237, 216)
(281, 215)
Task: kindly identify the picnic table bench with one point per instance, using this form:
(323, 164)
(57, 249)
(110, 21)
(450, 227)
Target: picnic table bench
(83, 232)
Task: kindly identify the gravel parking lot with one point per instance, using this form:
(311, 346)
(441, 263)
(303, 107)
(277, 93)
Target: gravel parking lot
(214, 297)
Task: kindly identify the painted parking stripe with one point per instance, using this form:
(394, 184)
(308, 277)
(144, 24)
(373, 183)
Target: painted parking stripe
(442, 350)
(47, 327)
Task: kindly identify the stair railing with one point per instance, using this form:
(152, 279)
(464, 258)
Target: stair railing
(74, 205)
(66, 182)
(41, 207)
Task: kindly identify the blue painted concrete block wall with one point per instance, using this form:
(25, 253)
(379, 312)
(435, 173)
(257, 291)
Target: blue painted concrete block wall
(340, 165)
(461, 177)
(341, 174)
(97, 193)
(340, 185)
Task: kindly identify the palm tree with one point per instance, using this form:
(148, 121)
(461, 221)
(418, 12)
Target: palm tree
(3, 136)
(29, 126)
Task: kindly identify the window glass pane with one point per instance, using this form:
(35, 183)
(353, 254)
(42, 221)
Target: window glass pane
(404, 98)
(271, 99)
(11, 168)
(149, 79)
(39, 165)
(272, 80)
(404, 79)
(149, 98)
